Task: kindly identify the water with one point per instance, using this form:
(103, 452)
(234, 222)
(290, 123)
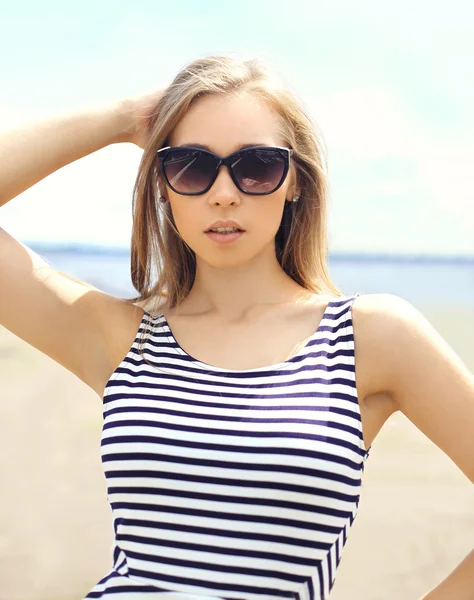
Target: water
(423, 281)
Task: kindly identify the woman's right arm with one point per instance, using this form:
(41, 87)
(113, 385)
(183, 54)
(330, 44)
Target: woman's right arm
(30, 154)
(75, 324)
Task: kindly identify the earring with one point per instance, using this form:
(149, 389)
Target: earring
(162, 199)
(295, 199)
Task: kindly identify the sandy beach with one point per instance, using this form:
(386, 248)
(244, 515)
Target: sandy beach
(415, 523)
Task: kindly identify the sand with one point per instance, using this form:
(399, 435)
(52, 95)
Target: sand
(415, 523)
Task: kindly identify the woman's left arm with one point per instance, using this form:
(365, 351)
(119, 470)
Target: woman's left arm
(459, 585)
(434, 389)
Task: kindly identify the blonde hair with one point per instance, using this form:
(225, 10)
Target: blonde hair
(162, 265)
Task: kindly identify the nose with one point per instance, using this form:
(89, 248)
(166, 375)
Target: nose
(224, 190)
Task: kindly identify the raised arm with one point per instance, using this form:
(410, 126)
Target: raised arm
(30, 154)
(63, 317)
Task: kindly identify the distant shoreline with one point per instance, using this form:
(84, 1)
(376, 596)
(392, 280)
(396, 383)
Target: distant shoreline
(90, 249)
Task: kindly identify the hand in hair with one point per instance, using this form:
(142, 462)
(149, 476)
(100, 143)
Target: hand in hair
(141, 109)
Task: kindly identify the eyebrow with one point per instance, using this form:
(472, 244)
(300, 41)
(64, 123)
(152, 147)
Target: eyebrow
(204, 147)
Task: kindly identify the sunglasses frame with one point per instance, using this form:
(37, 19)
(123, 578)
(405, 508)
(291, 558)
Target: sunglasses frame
(285, 152)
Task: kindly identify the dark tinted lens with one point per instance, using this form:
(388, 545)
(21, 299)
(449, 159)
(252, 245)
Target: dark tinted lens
(258, 171)
(189, 171)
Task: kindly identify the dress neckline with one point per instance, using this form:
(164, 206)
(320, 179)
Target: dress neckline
(274, 367)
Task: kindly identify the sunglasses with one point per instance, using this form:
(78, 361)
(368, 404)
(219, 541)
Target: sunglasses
(258, 171)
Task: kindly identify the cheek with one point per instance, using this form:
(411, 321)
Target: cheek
(185, 220)
(269, 212)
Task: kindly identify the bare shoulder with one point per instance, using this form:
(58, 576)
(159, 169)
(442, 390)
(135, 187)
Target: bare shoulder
(383, 324)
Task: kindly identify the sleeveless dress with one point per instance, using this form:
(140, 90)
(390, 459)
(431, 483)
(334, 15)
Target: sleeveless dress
(232, 484)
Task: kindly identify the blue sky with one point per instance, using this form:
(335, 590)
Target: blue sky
(389, 84)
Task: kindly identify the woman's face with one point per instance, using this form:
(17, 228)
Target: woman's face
(223, 124)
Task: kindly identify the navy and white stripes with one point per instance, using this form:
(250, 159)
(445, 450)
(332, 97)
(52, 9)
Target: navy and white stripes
(232, 485)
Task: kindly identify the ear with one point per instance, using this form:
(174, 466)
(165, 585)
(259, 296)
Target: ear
(161, 191)
(293, 189)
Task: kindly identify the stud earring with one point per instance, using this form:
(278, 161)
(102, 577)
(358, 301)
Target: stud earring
(162, 199)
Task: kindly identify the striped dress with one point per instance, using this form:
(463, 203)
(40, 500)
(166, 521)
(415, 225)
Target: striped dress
(231, 484)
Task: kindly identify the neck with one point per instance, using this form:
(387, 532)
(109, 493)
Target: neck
(234, 293)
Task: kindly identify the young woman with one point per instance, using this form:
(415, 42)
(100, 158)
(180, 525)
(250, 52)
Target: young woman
(242, 390)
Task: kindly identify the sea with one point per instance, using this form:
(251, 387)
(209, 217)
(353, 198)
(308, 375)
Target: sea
(423, 280)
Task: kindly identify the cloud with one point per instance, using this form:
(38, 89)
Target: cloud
(381, 158)
(367, 123)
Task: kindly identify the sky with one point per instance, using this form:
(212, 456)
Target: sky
(390, 86)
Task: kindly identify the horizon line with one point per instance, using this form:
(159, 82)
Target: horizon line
(84, 248)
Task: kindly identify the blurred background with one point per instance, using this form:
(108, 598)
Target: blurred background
(391, 88)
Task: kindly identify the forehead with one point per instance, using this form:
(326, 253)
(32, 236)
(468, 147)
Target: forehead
(224, 123)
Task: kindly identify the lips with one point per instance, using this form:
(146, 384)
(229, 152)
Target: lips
(224, 238)
(219, 224)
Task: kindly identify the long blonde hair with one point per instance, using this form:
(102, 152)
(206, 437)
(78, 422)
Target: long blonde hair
(162, 264)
